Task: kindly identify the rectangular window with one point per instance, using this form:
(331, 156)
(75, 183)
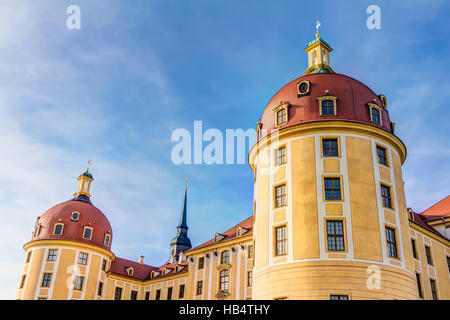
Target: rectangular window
(46, 280)
(281, 241)
(83, 258)
(78, 283)
(386, 195)
(199, 288)
(58, 229)
(448, 264)
(104, 265)
(201, 263)
(414, 251)
(249, 278)
(338, 297)
(250, 251)
(100, 289)
(280, 196)
(181, 292)
(280, 156)
(335, 235)
(224, 280)
(433, 289)
(375, 115)
(328, 108)
(118, 293)
(158, 294)
(330, 147)
(428, 254)
(419, 285)
(381, 153)
(52, 253)
(87, 233)
(22, 282)
(147, 295)
(281, 116)
(133, 295)
(391, 242)
(169, 293)
(28, 257)
(332, 188)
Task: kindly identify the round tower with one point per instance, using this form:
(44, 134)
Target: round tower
(69, 251)
(330, 219)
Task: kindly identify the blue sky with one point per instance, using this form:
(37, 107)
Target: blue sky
(116, 89)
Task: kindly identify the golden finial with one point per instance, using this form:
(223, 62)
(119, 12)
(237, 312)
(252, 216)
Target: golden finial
(89, 163)
(317, 27)
(185, 187)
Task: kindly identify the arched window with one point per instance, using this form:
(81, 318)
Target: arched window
(225, 257)
(224, 285)
(314, 58)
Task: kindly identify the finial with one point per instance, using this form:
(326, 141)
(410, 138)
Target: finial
(89, 163)
(185, 188)
(317, 27)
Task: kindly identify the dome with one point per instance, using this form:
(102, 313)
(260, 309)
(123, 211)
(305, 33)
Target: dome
(352, 102)
(88, 216)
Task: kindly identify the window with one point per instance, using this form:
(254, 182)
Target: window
(381, 153)
(133, 295)
(338, 297)
(386, 195)
(28, 257)
(332, 188)
(391, 242)
(87, 233)
(42, 298)
(181, 292)
(37, 228)
(249, 278)
(158, 294)
(104, 265)
(118, 293)
(201, 263)
(225, 257)
(130, 271)
(22, 282)
(250, 251)
(199, 288)
(448, 263)
(58, 230)
(375, 115)
(46, 280)
(414, 251)
(433, 289)
(107, 239)
(327, 108)
(330, 147)
(224, 279)
(281, 298)
(281, 116)
(52, 253)
(78, 283)
(280, 196)
(75, 216)
(100, 289)
(281, 241)
(335, 235)
(428, 254)
(419, 286)
(169, 293)
(83, 258)
(147, 295)
(303, 88)
(280, 156)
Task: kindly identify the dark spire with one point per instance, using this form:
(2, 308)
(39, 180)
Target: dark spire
(181, 242)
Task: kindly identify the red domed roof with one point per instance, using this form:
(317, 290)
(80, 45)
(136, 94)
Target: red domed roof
(352, 98)
(89, 216)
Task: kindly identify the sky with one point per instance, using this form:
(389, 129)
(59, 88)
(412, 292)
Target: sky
(117, 88)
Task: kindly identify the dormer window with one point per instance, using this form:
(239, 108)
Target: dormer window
(281, 113)
(375, 113)
(327, 105)
(75, 216)
(240, 231)
(217, 237)
(107, 240)
(37, 228)
(87, 233)
(383, 100)
(58, 230)
(130, 271)
(154, 274)
(303, 88)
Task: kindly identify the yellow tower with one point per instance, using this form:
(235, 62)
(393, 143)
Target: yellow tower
(330, 219)
(69, 252)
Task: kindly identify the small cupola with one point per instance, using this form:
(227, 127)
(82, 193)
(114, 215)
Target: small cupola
(318, 55)
(84, 183)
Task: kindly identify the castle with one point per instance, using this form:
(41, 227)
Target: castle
(329, 220)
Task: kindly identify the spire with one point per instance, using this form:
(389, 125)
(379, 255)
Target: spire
(318, 54)
(181, 242)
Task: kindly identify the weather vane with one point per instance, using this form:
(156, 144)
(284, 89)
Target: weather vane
(185, 188)
(317, 26)
(89, 163)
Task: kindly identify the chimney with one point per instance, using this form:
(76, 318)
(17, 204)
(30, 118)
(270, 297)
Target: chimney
(141, 259)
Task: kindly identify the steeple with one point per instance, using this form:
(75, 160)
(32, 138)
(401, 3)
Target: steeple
(84, 185)
(181, 242)
(318, 54)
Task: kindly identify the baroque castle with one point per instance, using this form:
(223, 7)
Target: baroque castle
(330, 219)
